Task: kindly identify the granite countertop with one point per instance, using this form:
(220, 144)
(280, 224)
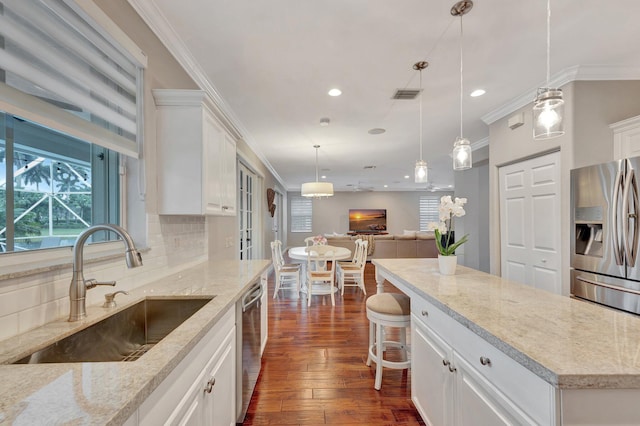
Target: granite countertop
(570, 343)
(110, 392)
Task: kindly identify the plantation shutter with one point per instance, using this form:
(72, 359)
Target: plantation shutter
(428, 210)
(301, 214)
(59, 68)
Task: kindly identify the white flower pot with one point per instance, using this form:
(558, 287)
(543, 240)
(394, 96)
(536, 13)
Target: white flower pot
(447, 264)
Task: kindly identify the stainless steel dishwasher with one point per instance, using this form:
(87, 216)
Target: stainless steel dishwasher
(248, 313)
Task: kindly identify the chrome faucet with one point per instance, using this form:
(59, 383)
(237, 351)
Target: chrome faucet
(79, 286)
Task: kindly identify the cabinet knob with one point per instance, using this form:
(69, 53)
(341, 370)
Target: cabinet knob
(485, 361)
(425, 313)
(210, 384)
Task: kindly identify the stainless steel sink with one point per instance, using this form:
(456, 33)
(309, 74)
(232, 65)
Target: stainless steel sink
(124, 336)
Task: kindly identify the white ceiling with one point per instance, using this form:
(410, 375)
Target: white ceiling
(273, 62)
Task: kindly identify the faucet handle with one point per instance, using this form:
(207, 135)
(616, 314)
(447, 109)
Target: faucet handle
(92, 282)
(110, 299)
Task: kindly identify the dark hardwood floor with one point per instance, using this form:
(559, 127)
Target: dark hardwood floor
(313, 368)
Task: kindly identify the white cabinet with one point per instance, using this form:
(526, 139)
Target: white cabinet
(459, 379)
(264, 314)
(626, 138)
(432, 384)
(196, 157)
(210, 399)
(228, 176)
(201, 390)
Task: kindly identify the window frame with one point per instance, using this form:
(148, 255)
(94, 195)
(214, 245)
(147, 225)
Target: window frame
(22, 105)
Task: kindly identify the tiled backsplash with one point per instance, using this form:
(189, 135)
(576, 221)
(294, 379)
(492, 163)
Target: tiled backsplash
(174, 242)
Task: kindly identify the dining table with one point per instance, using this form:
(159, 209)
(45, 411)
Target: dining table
(301, 254)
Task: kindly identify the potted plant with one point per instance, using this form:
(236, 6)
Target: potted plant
(448, 209)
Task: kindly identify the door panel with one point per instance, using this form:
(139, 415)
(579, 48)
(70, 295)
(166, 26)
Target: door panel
(530, 222)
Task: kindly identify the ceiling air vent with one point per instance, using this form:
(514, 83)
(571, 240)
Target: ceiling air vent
(406, 94)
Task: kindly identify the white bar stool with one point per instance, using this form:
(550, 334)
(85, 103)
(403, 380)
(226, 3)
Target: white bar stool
(387, 310)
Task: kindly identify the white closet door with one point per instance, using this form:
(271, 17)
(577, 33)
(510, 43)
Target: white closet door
(530, 222)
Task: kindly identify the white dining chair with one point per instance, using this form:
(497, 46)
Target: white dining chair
(321, 272)
(287, 275)
(351, 274)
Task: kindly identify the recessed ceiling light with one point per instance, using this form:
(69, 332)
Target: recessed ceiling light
(335, 92)
(477, 92)
(376, 131)
(324, 121)
(406, 176)
(323, 177)
(386, 186)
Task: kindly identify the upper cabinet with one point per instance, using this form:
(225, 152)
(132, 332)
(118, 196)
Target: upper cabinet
(196, 157)
(626, 138)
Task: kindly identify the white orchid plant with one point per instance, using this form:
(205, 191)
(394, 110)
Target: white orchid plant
(448, 209)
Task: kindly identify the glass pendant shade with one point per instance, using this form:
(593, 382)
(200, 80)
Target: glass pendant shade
(462, 154)
(548, 114)
(317, 189)
(421, 171)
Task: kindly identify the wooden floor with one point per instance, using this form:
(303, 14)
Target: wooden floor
(313, 368)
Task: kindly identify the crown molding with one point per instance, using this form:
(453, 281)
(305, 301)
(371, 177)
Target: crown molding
(480, 143)
(161, 27)
(568, 75)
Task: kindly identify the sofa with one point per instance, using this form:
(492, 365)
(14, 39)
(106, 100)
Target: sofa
(406, 245)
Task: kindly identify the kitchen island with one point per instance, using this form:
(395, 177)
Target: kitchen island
(499, 352)
(100, 393)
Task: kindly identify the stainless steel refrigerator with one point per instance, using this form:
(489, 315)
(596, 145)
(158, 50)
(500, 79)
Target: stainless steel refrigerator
(604, 234)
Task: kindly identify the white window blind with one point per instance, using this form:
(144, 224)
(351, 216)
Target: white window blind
(428, 210)
(301, 214)
(60, 69)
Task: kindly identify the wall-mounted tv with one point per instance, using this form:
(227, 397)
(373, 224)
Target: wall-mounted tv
(367, 220)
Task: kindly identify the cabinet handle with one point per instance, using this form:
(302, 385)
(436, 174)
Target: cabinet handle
(452, 368)
(210, 384)
(446, 362)
(485, 361)
(425, 313)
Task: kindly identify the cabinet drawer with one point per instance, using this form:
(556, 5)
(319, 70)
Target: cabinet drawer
(529, 392)
(431, 316)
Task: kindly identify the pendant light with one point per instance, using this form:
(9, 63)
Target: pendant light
(461, 147)
(317, 189)
(548, 107)
(421, 165)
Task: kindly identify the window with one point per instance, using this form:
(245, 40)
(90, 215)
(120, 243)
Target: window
(58, 186)
(428, 210)
(70, 105)
(301, 214)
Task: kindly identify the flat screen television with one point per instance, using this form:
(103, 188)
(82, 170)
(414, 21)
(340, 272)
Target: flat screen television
(367, 220)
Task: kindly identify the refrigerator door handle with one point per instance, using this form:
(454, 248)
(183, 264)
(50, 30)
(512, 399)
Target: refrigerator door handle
(617, 248)
(631, 249)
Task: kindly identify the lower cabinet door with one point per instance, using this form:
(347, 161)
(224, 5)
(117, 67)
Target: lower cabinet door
(432, 381)
(210, 401)
(479, 403)
(220, 390)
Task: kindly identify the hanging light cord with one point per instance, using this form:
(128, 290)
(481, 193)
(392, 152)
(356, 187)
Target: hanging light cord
(461, 78)
(317, 165)
(548, 41)
(420, 115)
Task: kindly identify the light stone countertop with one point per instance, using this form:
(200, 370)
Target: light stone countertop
(109, 392)
(570, 343)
